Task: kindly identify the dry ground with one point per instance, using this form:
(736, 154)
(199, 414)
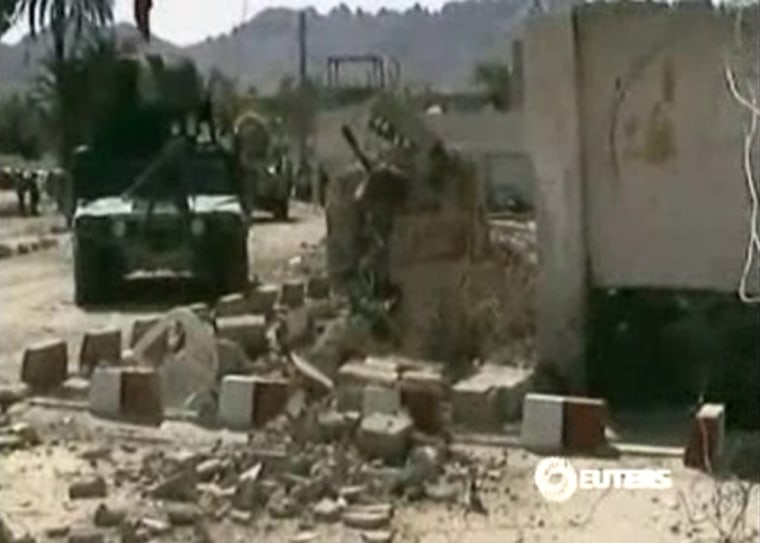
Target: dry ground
(36, 303)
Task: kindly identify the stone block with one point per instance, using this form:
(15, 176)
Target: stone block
(236, 401)
(377, 399)
(584, 422)
(45, 365)
(704, 450)
(318, 287)
(543, 417)
(141, 394)
(249, 331)
(156, 352)
(263, 298)
(387, 437)
(232, 305)
(292, 294)
(99, 347)
(105, 392)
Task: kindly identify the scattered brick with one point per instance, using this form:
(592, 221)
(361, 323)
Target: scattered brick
(354, 376)
(232, 305)
(543, 417)
(422, 394)
(99, 347)
(249, 331)
(292, 294)
(385, 436)
(584, 424)
(156, 352)
(378, 399)
(269, 400)
(141, 394)
(105, 392)
(263, 299)
(704, 450)
(87, 488)
(45, 365)
(318, 287)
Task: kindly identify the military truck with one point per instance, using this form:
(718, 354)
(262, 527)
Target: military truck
(154, 192)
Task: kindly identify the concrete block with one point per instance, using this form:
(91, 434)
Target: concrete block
(45, 365)
(704, 450)
(354, 376)
(236, 401)
(141, 394)
(584, 422)
(543, 417)
(105, 392)
(201, 310)
(249, 331)
(100, 347)
(386, 437)
(491, 397)
(318, 287)
(6, 251)
(377, 399)
(474, 405)
(263, 298)
(232, 305)
(299, 325)
(422, 394)
(292, 294)
(270, 397)
(156, 353)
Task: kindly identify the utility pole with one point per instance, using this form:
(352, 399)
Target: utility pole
(303, 106)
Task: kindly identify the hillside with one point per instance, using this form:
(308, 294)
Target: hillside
(434, 47)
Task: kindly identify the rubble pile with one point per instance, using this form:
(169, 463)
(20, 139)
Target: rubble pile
(411, 231)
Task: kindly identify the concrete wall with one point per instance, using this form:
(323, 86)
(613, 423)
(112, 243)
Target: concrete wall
(662, 148)
(552, 129)
(637, 147)
(495, 141)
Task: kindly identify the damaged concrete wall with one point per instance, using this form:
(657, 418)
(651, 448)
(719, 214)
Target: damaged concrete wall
(462, 297)
(638, 151)
(662, 146)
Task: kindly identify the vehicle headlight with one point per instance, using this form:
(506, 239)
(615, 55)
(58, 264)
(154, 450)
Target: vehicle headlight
(119, 228)
(197, 227)
(272, 170)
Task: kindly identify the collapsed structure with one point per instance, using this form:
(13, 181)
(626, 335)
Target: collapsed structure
(408, 231)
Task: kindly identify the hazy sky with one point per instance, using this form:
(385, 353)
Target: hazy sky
(188, 21)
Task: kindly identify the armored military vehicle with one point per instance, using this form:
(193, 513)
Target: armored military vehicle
(154, 191)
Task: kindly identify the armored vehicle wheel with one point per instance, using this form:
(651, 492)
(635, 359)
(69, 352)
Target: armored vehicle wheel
(232, 265)
(93, 280)
(281, 210)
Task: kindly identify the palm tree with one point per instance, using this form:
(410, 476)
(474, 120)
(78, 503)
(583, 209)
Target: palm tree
(66, 19)
(65, 16)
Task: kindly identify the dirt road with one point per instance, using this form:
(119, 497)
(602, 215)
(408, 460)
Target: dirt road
(36, 290)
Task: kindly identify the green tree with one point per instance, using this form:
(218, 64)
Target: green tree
(493, 78)
(8, 10)
(21, 128)
(67, 20)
